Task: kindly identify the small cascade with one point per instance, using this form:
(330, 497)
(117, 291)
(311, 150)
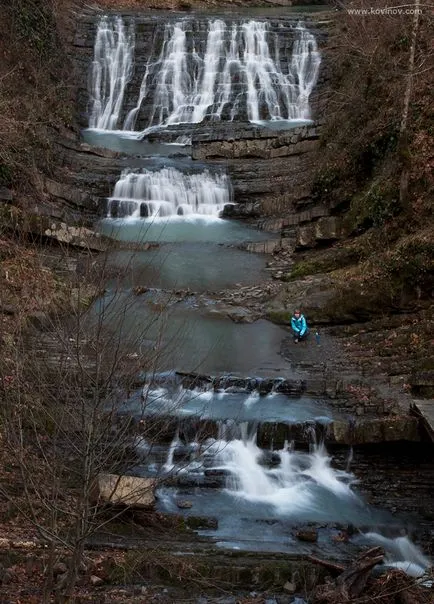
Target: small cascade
(286, 479)
(284, 484)
(169, 465)
(401, 554)
(169, 193)
(269, 420)
(225, 473)
(238, 73)
(112, 68)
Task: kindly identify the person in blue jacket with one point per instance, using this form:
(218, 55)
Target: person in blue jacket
(299, 326)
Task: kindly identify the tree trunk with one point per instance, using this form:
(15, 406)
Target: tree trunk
(403, 138)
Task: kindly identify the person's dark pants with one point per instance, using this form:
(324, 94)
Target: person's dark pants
(299, 338)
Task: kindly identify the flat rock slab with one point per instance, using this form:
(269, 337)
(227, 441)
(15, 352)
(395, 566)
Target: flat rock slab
(130, 491)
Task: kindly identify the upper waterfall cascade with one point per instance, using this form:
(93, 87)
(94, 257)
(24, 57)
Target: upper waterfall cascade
(239, 73)
(169, 192)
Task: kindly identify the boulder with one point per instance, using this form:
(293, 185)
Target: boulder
(306, 236)
(242, 210)
(77, 236)
(60, 568)
(328, 228)
(130, 491)
(184, 504)
(290, 587)
(242, 315)
(261, 247)
(6, 195)
(308, 535)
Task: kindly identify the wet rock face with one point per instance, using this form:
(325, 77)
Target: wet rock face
(269, 170)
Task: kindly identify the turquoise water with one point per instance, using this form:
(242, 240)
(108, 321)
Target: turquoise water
(184, 336)
(196, 266)
(178, 228)
(130, 143)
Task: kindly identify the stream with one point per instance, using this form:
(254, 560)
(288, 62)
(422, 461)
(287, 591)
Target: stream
(154, 84)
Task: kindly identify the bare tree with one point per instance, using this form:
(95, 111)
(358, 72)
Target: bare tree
(403, 189)
(60, 415)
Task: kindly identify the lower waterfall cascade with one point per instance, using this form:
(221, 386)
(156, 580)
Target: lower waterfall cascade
(169, 193)
(281, 485)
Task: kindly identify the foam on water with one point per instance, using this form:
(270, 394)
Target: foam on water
(323, 474)
(285, 487)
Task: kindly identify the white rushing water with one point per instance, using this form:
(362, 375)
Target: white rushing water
(289, 486)
(112, 68)
(401, 553)
(239, 74)
(282, 485)
(295, 485)
(169, 193)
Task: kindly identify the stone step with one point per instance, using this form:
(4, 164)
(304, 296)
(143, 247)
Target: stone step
(360, 431)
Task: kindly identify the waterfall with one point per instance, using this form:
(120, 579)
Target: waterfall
(305, 63)
(285, 485)
(240, 66)
(169, 192)
(239, 74)
(169, 465)
(112, 68)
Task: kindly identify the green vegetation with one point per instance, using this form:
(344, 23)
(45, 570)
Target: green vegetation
(325, 261)
(326, 181)
(373, 207)
(363, 157)
(377, 178)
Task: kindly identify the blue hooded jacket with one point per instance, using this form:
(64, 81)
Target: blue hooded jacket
(299, 326)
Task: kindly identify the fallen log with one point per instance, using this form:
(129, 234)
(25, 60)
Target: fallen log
(351, 581)
(333, 567)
